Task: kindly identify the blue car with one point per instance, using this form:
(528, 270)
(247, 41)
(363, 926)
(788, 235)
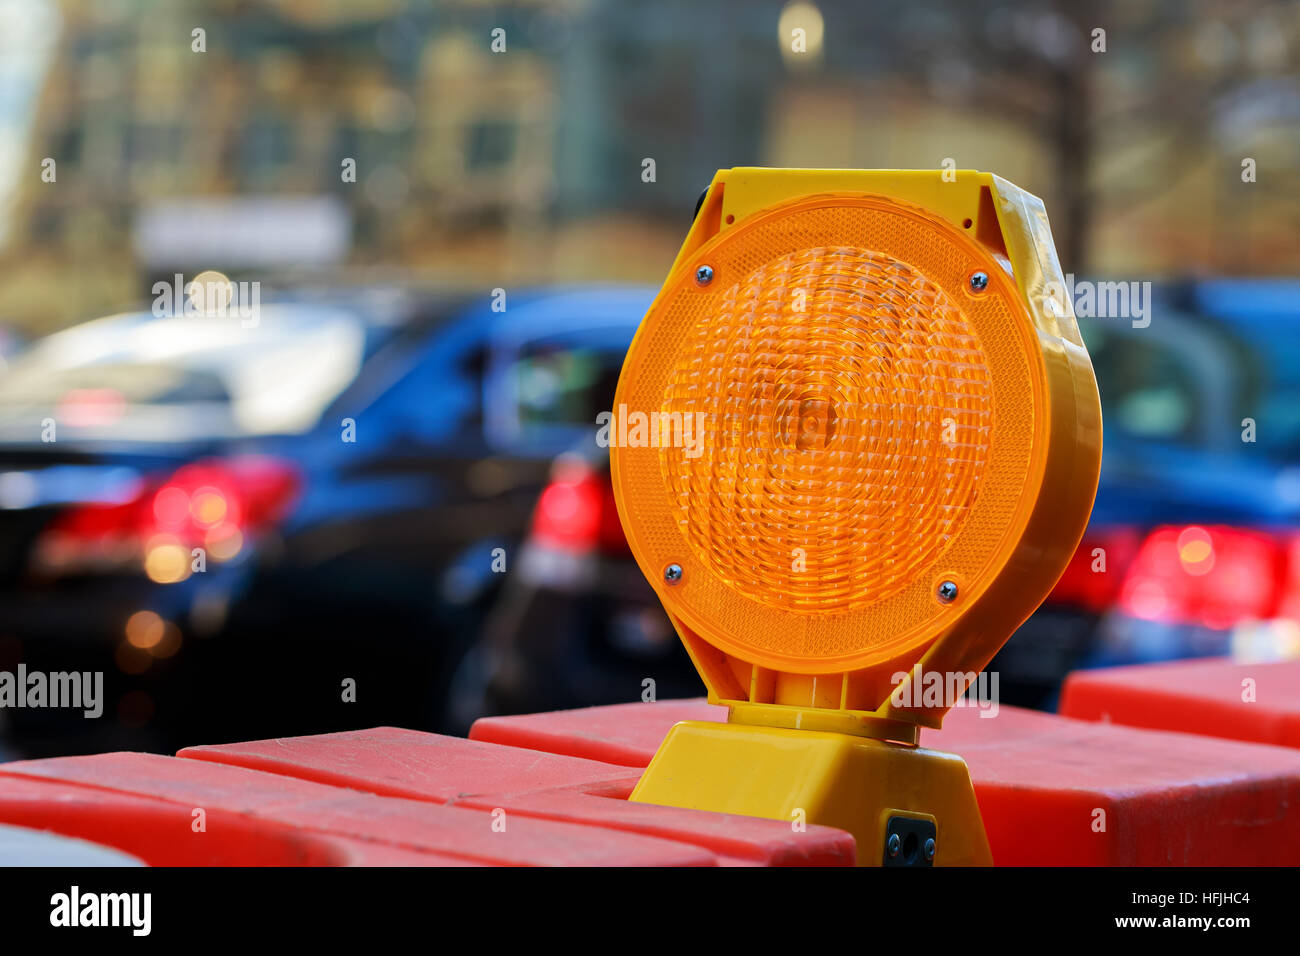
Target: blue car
(1192, 549)
(288, 526)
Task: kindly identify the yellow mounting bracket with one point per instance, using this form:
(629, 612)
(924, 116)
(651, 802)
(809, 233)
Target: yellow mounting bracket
(875, 440)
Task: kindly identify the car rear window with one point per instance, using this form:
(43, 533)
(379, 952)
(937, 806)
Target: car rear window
(185, 377)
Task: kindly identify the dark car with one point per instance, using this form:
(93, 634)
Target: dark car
(576, 624)
(1191, 550)
(282, 527)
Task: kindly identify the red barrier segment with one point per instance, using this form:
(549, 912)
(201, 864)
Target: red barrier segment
(346, 787)
(407, 763)
(1051, 790)
(159, 832)
(535, 783)
(1215, 698)
(268, 802)
(736, 839)
(1166, 798)
(627, 734)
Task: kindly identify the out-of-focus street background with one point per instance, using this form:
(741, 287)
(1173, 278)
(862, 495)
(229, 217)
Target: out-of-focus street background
(362, 486)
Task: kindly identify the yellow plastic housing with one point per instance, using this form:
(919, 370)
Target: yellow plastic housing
(846, 781)
(842, 423)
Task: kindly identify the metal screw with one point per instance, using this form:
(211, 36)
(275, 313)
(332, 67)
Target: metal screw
(947, 592)
(895, 844)
(929, 849)
(673, 573)
(979, 281)
(704, 275)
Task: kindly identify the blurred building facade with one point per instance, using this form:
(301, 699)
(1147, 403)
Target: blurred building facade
(530, 163)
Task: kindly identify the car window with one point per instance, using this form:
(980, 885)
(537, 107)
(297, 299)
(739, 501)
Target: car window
(1265, 316)
(562, 386)
(1195, 381)
(1272, 397)
(546, 393)
(186, 377)
(1149, 391)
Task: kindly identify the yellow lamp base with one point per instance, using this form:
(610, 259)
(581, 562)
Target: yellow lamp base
(893, 798)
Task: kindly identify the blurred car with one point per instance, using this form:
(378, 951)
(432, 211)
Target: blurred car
(1191, 550)
(576, 624)
(282, 527)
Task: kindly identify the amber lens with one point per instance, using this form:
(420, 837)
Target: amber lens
(846, 410)
(846, 422)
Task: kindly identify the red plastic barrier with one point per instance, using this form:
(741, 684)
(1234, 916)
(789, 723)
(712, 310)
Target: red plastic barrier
(735, 839)
(519, 781)
(386, 797)
(1051, 790)
(1216, 698)
(269, 804)
(407, 763)
(1046, 783)
(161, 833)
(627, 734)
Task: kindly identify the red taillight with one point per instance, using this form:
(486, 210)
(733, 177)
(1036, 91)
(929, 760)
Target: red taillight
(242, 493)
(1213, 576)
(1289, 604)
(1093, 577)
(576, 512)
(212, 504)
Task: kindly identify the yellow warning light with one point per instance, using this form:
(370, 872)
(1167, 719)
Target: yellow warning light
(894, 446)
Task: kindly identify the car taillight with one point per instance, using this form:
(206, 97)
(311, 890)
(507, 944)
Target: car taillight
(212, 504)
(1094, 575)
(1289, 603)
(576, 512)
(1212, 576)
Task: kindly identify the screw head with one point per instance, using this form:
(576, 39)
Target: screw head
(929, 848)
(895, 844)
(704, 275)
(947, 592)
(673, 573)
(979, 281)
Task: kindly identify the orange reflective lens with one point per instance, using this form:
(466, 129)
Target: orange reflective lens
(847, 409)
(857, 418)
